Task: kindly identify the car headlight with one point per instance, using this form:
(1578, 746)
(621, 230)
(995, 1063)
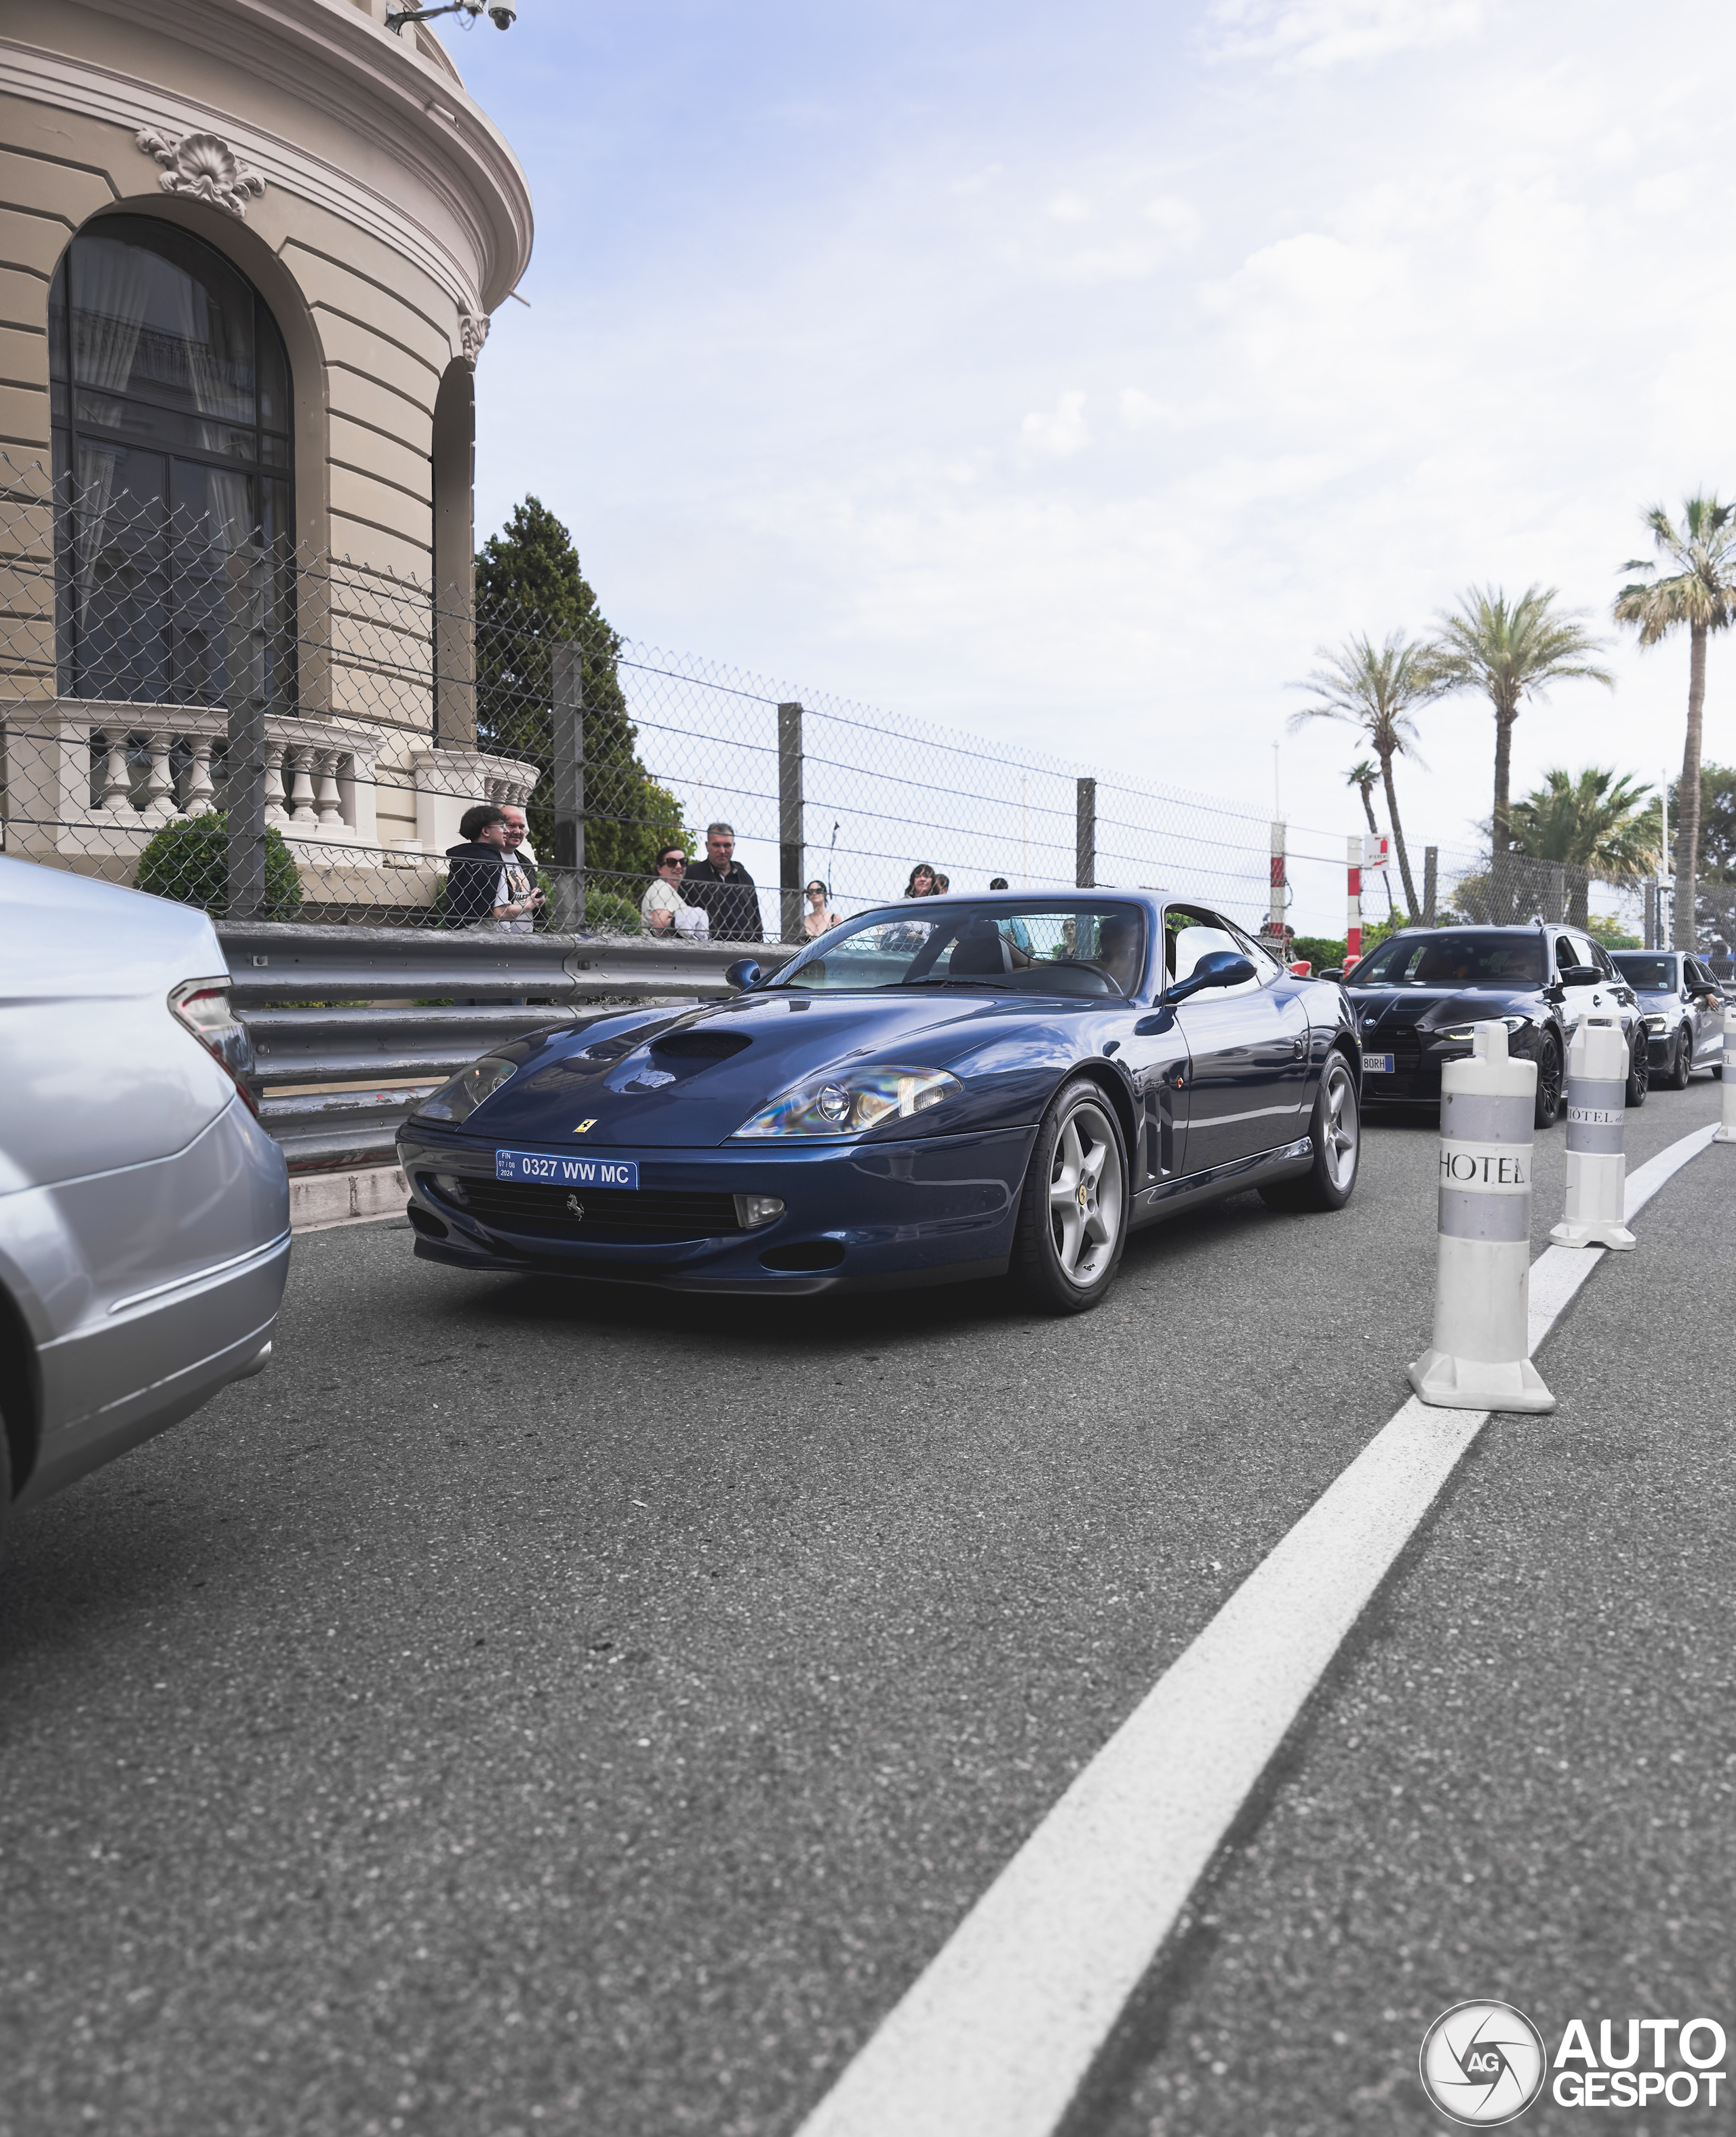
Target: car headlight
(1514, 1024)
(459, 1099)
(1657, 1023)
(850, 1101)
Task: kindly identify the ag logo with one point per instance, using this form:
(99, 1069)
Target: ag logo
(1482, 2063)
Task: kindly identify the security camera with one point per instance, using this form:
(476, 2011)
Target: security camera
(502, 14)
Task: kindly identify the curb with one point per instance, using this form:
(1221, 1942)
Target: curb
(320, 1199)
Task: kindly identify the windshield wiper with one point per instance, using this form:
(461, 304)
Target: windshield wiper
(997, 986)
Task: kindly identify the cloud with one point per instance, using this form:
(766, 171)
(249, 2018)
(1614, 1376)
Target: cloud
(1062, 433)
(1327, 33)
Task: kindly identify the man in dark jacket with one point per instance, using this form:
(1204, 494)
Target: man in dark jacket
(724, 888)
(485, 885)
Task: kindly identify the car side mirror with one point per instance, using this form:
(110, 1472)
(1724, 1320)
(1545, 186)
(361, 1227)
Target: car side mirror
(743, 974)
(1217, 968)
(1330, 972)
(1581, 976)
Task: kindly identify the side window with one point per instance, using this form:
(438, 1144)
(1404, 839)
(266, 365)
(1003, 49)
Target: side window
(1565, 953)
(1262, 959)
(1191, 932)
(1600, 958)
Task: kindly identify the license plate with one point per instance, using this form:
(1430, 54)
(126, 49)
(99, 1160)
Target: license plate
(565, 1171)
(1376, 1064)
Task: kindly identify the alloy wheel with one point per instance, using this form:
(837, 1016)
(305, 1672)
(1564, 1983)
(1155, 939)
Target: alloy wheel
(1085, 1195)
(1340, 1128)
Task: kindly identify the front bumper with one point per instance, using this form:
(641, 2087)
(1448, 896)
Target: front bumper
(1418, 1057)
(856, 1217)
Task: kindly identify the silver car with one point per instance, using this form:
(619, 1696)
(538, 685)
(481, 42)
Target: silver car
(144, 1213)
(1683, 1006)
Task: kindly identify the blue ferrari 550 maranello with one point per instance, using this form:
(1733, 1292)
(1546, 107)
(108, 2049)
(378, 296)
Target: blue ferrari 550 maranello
(939, 1090)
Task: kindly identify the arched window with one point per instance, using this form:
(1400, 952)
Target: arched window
(171, 410)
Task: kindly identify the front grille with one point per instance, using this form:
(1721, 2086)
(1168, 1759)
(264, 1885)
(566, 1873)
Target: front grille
(615, 1214)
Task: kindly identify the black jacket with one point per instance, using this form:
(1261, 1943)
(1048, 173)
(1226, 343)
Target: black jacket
(472, 880)
(730, 900)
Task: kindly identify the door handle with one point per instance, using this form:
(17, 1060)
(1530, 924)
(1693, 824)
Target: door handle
(1299, 1048)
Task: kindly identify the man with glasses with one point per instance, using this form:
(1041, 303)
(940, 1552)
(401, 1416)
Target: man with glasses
(664, 909)
(724, 890)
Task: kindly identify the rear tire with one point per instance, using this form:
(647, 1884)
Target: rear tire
(1336, 1130)
(1681, 1063)
(1072, 1217)
(1639, 1071)
(1548, 1082)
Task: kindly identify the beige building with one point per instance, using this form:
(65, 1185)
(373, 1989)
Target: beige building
(248, 250)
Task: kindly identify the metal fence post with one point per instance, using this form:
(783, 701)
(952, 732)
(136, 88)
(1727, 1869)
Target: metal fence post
(1431, 879)
(567, 780)
(1278, 895)
(1557, 893)
(789, 819)
(246, 591)
(1085, 837)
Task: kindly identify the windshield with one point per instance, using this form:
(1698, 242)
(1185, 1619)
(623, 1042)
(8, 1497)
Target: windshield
(1470, 957)
(1044, 948)
(1649, 976)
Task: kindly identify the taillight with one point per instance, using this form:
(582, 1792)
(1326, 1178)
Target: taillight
(202, 1007)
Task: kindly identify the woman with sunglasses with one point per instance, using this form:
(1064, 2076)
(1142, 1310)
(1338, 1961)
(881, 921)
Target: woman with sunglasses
(663, 908)
(818, 918)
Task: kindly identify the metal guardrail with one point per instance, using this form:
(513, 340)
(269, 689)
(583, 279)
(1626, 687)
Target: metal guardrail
(352, 1026)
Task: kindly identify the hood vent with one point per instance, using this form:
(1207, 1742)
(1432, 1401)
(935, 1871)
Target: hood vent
(703, 1044)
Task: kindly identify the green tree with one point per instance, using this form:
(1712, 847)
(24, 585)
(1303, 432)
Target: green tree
(1376, 688)
(188, 861)
(1511, 650)
(1715, 889)
(1700, 592)
(530, 596)
(1599, 824)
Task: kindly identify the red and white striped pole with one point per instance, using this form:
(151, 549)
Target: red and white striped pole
(1353, 903)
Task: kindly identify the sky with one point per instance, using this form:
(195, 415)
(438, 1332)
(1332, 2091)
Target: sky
(1071, 375)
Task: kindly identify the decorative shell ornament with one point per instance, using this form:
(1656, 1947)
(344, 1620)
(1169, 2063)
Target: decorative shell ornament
(202, 166)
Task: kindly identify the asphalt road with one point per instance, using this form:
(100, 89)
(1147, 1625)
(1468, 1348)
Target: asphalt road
(528, 1709)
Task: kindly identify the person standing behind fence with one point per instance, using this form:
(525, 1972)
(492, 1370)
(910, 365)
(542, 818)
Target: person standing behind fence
(818, 916)
(663, 908)
(724, 890)
(922, 884)
(484, 886)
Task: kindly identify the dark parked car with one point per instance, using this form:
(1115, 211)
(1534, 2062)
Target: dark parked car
(1683, 1007)
(931, 1091)
(1418, 994)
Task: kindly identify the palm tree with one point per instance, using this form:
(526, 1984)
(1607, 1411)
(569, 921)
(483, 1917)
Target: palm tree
(1362, 775)
(1511, 650)
(1596, 823)
(1376, 688)
(1701, 593)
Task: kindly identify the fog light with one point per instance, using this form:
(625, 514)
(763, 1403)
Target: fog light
(449, 1188)
(754, 1211)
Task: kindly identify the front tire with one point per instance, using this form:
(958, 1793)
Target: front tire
(1336, 1130)
(1681, 1066)
(1639, 1070)
(1548, 1081)
(1073, 1218)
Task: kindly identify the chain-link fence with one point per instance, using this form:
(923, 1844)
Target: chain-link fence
(273, 733)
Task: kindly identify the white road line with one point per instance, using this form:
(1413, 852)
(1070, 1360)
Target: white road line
(994, 2037)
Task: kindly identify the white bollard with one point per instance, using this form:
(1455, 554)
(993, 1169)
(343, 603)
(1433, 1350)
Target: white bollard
(1727, 1129)
(1597, 1060)
(1478, 1359)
